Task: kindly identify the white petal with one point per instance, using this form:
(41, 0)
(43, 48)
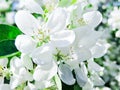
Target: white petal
(1, 80)
(66, 74)
(63, 38)
(94, 66)
(25, 44)
(30, 87)
(5, 87)
(90, 38)
(20, 78)
(4, 5)
(27, 61)
(97, 80)
(84, 67)
(25, 75)
(43, 84)
(33, 7)
(4, 62)
(99, 50)
(26, 22)
(16, 62)
(15, 65)
(80, 33)
(57, 20)
(58, 82)
(86, 36)
(88, 86)
(106, 88)
(118, 33)
(50, 5)
(83, 54)
(81, 77)
(42, 55)
(73, 63)
(93, 18)
(64, 50)
(26, 88)
(42, 74)
(10, 17)
(14, 82)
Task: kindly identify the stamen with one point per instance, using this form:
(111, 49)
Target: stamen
(81, 22)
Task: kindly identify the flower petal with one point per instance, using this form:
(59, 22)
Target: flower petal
(27, 61)
(81, 77)
(86, 36)
(90, 39)
(43, 84)
(14, 82)
(118, 33)
(30, 86)
(83, 54)
(4, 62)
(97, 80)
(15, 65)
(26, 22)
(25, 75)
(57, 20)
(42, 74)
(66, 74)
(93, 18)
(33, 6)
(88, 85)
(42, 55)
(17, 62)
(5, 87)
(80, 33)
(94, 66)
(25, 44)
(1, 80)
(63, 38)
(99, 50)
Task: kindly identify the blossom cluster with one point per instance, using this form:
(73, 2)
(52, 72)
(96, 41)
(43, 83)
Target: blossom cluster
(114, 20)
(110, 61)
(6, 13)
(59, 43)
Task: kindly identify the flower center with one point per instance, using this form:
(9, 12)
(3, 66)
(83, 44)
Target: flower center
(81, 22)
(42, 37)
(50, 5)
(59, 56)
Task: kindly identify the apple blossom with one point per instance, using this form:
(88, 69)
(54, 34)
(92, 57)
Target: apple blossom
(53, 32)
(114, 20)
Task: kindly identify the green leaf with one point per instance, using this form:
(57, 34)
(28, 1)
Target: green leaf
(7, 39)
(7, 47)
(8, 32)
(58, 82)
